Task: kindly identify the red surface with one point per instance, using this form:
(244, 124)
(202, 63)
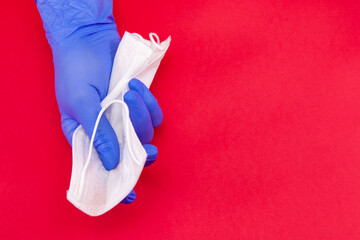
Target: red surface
(260, 138)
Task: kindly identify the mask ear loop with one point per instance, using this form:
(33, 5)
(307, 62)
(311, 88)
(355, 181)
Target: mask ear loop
(157, 42)
(127, 132)
(153, 41)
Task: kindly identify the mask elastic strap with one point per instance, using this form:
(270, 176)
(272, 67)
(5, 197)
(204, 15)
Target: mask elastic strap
(127, 133)
(157, 42)
(154, 38)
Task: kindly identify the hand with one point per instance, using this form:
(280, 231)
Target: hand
(83, 66)
(84, 39)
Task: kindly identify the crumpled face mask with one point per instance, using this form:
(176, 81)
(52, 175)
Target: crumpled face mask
(93, 189)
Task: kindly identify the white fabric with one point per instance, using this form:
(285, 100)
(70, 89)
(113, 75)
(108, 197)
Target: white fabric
(93, 189)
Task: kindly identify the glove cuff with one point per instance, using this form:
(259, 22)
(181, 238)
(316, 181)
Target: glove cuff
(61, 18)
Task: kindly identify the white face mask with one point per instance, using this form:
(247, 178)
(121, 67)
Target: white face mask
(93, 189)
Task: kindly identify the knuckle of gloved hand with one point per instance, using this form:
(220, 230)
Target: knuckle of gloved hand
(107, 150)
(158, 120)
(146, 135)
(78, 99)
(134, 83)
(68, 127)
(103, 143)
(150, 135)
(130, 97)
(150, 98)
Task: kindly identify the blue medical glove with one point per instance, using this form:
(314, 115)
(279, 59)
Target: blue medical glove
(84, 39)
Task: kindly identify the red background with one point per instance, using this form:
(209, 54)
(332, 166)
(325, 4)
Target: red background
(260, 138)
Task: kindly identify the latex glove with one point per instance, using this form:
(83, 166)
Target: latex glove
(84, 40)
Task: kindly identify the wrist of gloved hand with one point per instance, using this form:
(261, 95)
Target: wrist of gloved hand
(63, 18)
